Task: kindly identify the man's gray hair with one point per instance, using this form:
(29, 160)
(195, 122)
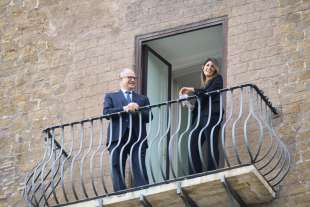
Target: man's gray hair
(124, 71)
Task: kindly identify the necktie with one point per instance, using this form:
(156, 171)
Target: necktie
(128, 96)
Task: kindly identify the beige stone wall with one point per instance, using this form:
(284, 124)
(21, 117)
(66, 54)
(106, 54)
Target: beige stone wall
(58, 58)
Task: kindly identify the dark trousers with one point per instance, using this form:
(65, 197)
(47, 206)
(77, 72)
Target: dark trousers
(139, 178)
(212, 163)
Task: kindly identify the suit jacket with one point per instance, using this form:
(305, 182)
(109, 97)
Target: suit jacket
(114, 102)
(215, 84)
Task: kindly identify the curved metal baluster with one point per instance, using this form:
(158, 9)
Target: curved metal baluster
(123, 148)
(105, 149)
(30, 176)
(38, 188)
(261, 130)
(73, 161)
(277, 163)
(234, 128)
(270, 135)
(133, 146)
(27, 179)
(277, 146)
(245, 135)
(282, 166)
(48, 193)
(224, 127)
(63, 164)
(262, 120)
(56, 159)
(117, 145)
(91, 166)
(34, 179)
(53, 175)
(26, 182)
(285, 152)
(83, 158)
(161, 139)
(212, 132)
(50, 173)
(189, 117)
(43, 168)
(50, 183)
(190, 136)
(202, 158)
(172, 138)
(271, 159)
(141, 144)
(151, 145)
(288, 159)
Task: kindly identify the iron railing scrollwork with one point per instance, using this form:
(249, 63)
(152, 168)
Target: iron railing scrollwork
(76, 163)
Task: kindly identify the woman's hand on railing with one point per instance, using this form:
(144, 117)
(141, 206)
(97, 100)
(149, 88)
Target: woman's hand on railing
(186, 103)
(186, 90)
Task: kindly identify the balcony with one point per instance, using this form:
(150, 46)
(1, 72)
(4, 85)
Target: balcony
(76, 170)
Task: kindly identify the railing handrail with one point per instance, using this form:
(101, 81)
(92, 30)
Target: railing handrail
(58, 145)
(260, 93)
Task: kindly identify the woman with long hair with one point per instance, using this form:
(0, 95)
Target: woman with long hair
(211, 80)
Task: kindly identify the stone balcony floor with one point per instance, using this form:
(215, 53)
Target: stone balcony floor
(207, 190)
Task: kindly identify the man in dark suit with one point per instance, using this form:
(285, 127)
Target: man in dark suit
(127, 131)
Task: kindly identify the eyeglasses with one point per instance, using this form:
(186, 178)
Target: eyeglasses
(130, 77)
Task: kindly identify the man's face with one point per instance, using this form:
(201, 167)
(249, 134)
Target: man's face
(128, 80)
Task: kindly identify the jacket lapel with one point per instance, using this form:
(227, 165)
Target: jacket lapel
(134, 97)
(122, 98)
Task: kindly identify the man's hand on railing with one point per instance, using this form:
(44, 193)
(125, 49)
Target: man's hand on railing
(131, 107)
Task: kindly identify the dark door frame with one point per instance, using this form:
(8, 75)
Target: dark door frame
(140, 39)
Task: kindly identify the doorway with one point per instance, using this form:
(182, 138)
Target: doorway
(170, 59)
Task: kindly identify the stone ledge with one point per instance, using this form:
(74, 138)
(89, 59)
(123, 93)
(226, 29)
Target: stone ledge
(207, 190)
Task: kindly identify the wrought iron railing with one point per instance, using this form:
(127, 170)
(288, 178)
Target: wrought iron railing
(76, 164)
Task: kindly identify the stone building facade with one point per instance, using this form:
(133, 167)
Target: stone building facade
(58, 58)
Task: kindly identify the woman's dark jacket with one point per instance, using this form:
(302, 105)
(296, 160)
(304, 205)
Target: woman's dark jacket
(214, 84)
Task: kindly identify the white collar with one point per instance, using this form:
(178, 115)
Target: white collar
(124, 91)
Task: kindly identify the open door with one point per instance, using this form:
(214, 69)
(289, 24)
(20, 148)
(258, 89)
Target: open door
(170, 59)
(157, 70)
(157, 87)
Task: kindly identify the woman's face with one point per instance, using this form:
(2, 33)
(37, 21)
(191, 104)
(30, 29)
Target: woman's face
(209, 69)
